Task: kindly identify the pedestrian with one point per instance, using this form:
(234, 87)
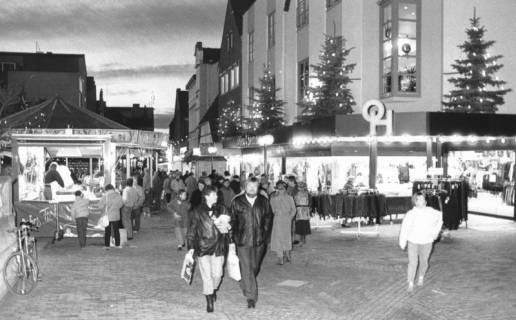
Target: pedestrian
(166, 187)
(111, 203)
(50, 176)
(420, 227)
(235, 184)
(147, 189)
(130, 199)
(251, 225)
(208, 240)
(302, 200)
(191, 184)
(196, 198)
(284, 210)
(291, 190)
(227, 193)
(157, 186)
(80, 214)
(179, 208)
(137, 211)
(176, 184)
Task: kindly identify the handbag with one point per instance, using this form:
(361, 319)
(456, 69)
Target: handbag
(233, 264)
(187, 271)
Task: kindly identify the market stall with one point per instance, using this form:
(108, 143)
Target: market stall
(89, 150)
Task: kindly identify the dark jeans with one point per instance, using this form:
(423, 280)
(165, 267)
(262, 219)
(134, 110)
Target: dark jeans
(136, 215)
(115, 225)
(250, 261)
(82, 225)
(168, 196)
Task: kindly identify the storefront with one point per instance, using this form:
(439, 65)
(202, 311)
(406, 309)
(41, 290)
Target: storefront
(338, 151)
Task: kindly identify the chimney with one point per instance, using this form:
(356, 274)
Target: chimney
(136, 105)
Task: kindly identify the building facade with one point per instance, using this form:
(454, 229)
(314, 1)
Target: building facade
(202, 90)
(134, 117)
(178, 127)
(413, 41)
(40, 76)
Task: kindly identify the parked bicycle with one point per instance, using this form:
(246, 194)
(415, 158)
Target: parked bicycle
(21, 271)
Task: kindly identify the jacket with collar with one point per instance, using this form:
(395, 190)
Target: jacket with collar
(251, 224)
(203, 236)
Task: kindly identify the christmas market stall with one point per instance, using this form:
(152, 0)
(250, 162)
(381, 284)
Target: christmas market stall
(88, 150)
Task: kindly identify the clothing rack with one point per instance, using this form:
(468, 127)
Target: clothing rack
(450, 196)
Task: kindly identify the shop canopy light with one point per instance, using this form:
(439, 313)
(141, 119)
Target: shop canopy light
(405, 139)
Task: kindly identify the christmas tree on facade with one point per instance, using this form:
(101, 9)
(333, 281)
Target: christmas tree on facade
(230, 120)
(477, 89)
(266, 111)
(331, 94)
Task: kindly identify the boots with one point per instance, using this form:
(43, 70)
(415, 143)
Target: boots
(288, 257)
(209, 303)
(214, 296)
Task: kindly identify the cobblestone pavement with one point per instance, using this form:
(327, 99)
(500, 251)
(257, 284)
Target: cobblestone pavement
(472, 276)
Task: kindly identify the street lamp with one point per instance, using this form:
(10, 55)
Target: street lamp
(265, 141)
(212, 150)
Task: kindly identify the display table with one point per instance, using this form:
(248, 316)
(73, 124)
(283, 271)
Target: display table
(56, 215)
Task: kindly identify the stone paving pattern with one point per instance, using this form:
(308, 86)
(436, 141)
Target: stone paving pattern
(472, 276)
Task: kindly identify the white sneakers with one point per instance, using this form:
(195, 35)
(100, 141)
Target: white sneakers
(420, 281)
(410, 287)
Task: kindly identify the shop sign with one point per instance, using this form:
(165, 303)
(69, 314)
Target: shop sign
(374, 112)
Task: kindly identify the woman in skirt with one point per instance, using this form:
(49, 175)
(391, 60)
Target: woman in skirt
(302, 200)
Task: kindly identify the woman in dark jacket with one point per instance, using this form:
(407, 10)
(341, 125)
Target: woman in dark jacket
(208, 240)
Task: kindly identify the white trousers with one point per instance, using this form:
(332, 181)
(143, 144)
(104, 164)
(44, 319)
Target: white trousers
(211, 272)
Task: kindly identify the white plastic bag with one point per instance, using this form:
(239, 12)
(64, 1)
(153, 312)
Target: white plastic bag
(233, 264)
(103, 221)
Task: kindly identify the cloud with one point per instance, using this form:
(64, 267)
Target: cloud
(126, 92)
(147, 71)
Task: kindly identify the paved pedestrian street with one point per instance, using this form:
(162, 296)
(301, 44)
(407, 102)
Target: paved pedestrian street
(335, 276)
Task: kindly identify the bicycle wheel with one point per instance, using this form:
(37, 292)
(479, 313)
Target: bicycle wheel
(20, 273)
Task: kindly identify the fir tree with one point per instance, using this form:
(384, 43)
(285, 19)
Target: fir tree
(331, 95)
(266, 111)
(476, 87)
(229, 120)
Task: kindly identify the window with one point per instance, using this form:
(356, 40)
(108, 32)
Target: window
(8, 66)
(221, 83)
(229, 41)
(304, 78)
(302, 13)
(236, 76)
(331, 3)
(270, 30)
(250, 45)
(226, 82)
(251, 96)
(400, 41)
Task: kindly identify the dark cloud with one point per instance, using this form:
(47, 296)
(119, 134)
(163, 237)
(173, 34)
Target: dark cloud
(147, 20)
(147, 71)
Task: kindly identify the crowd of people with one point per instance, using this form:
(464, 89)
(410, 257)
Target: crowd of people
(214, 214)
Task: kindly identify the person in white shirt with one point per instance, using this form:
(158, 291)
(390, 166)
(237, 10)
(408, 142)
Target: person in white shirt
(138, 208)
(130, 198)
(419, 229)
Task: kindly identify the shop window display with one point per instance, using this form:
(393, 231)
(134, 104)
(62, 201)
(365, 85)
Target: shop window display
(490, 176)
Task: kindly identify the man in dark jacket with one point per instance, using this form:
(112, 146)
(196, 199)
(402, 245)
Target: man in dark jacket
(251, 219)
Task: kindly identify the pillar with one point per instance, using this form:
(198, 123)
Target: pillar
(91, 167)
(439, 153)
(128, 164)
(373, 162)
(429, 153)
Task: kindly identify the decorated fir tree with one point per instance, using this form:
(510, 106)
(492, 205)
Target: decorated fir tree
(477, 89)
(229, 120)
(266, 111)
(331, 95)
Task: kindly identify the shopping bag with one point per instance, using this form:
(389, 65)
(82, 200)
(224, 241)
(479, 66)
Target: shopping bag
(233, 264)
(188, 268)
(103, 221)
(123, 237)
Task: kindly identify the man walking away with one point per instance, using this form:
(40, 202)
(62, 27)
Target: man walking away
(111, 203)
(130, 198)
(137, 211)
(251, 223)
(80, 214)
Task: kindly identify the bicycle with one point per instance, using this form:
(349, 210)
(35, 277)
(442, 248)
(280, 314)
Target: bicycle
(21, 271)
